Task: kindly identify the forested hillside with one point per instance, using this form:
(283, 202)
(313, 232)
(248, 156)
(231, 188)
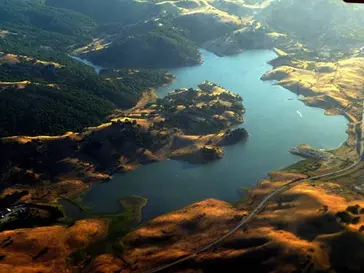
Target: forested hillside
(38, 97)
(317, 23)
(110, 11)
(43, 90)
(40, 109)
(155, 44)
(35, 28)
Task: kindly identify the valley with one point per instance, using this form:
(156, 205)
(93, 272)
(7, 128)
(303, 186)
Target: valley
(223, 179)
(134, 133)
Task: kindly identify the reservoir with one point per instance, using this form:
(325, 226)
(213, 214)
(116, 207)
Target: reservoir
(275, 119)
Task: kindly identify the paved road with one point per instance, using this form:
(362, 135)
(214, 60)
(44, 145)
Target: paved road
(252, 214)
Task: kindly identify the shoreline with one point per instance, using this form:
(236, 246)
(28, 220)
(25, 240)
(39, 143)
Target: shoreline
(80, 175)
(340, 146)
(148, 96)
(343, 145)
(279, 53)
(113, 223)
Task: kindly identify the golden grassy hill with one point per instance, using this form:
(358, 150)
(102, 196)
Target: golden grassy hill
(46, 249)
(299, 230)
(330, 85)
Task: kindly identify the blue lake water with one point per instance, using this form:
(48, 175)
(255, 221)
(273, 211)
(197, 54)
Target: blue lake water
(97, 68)
(275, 120)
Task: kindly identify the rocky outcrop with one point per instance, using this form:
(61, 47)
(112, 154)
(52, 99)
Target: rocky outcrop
(282, 59)
(202, 155)
(209, 153)
(234, 136)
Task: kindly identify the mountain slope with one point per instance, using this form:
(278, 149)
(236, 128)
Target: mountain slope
(34, 27)
(110, 11)
(317, 23)
(152, 44)
(39, 97)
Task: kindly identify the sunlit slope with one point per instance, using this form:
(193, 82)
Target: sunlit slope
(241, 8)
(228, 27)
(304, 227)
(306, 28)
(320, 24)
(45, 249)
(205, 22)
(12, 59)
(250, 35)
(202, 19)
(169, 39)
(331, 85)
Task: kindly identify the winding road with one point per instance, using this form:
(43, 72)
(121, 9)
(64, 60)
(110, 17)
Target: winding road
(262, 204)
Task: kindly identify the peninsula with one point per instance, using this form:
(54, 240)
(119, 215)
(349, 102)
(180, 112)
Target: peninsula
(188, 124)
